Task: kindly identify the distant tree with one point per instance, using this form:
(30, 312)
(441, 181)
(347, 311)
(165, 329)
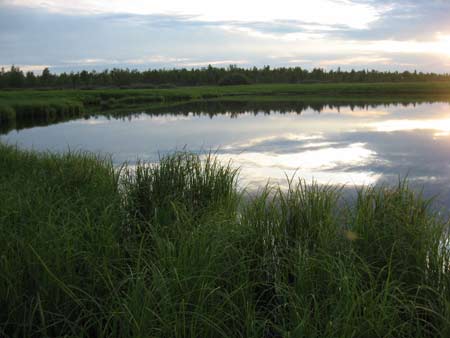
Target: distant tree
(46, 77)
(30, 79)
(210, 75)
(84, 77)
(3, 78)
(16, 79)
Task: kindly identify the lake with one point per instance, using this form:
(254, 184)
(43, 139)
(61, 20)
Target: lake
(352, 145)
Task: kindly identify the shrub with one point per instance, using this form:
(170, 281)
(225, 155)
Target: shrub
(234, 79)
(7, 114)
(166, 86)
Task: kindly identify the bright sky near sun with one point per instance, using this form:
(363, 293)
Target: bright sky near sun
(378, 34)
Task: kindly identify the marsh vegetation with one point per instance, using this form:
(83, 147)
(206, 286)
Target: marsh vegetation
(175, 249)
(22, 107)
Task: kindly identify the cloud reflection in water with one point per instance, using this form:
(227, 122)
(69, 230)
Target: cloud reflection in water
(345, 145)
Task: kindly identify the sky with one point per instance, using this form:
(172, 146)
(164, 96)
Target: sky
(70, 35)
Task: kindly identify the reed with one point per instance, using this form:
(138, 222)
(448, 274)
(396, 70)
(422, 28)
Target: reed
(174, 249)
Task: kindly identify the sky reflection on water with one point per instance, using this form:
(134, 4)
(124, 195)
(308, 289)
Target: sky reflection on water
(342, 146)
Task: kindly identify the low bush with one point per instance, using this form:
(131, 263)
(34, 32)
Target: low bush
(234, 79)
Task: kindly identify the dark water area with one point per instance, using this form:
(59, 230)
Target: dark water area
(351, 144)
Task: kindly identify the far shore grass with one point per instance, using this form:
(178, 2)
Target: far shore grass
(21, 105)
(174, 249)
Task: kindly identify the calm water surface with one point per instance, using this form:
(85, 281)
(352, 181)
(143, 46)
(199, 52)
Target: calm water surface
(343, 146)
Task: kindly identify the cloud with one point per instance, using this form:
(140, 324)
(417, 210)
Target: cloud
(358, 60)
(348, 13)
(118, 40)
(27, 68)
(405, 20)
(213, 63)
(102, 34)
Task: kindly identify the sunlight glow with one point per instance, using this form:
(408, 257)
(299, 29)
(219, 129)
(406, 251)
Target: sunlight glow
(444, 43)
(441, 127)
(441, 45)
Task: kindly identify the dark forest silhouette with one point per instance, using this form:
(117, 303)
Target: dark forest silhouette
(232, 75)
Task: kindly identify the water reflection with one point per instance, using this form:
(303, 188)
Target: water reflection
(320, 162)
(343, 144)
(441, 127)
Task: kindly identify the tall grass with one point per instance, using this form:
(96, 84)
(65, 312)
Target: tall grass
(175, 250)
(179, 184)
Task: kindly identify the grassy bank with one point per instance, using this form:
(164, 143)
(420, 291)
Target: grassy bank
(32, 104)
(174, 250)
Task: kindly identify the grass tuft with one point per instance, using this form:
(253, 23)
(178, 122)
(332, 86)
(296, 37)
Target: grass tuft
(175, 250)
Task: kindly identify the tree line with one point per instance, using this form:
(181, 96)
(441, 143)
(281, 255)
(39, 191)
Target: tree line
(164, 78)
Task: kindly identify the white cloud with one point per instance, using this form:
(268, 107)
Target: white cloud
(28, 68)
(329, 12)
(212, 63)
(299, 61)
(157, 59)
(91, 61)
(356, 60)
(441, 45)
(326, 33)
